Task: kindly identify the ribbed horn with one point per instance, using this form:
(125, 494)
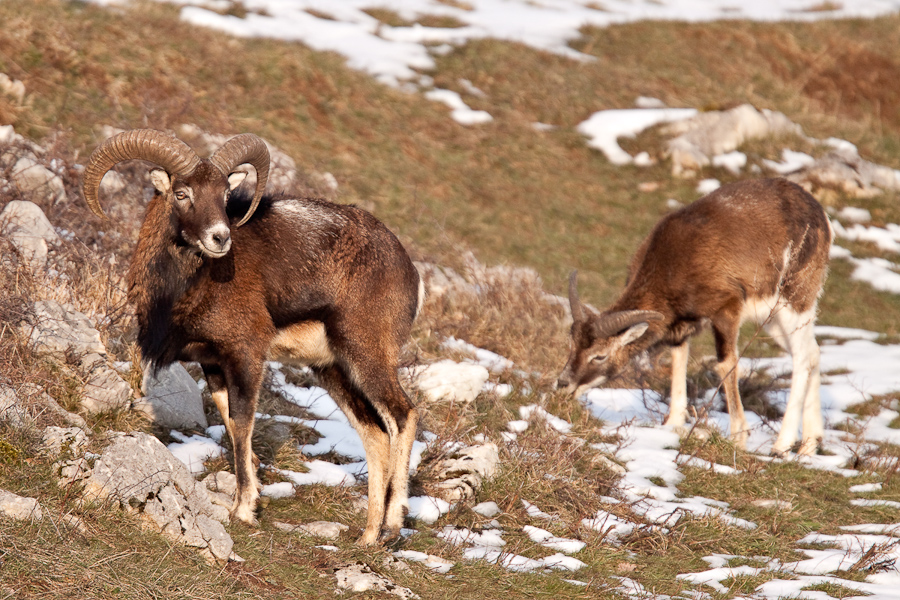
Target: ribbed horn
(245, 148)
(612, 323)
(574, 302)
(151, 145)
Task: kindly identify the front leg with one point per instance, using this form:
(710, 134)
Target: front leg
(678, 402)
(243, 376)
(218, 389)
(725, 332)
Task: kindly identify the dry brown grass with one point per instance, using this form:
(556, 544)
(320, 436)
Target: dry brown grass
(509, 193)
(506, 311)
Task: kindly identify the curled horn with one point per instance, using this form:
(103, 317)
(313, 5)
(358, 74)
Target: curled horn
(151, 145)
(574, 302)
(612, 323)
(245, 148)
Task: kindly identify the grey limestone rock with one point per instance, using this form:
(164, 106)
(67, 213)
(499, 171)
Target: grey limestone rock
(11, 410)
(715, 132)
(58, 330)
(222, 482)
(32, 177)
(324, 529)
(138, 471)
(172, 398)
(26, 226)
(57, 440)
(465, 472)
(23, 405)
(105, 389)
(18, 507)
(361, 578)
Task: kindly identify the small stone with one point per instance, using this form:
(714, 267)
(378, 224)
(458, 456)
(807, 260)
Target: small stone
(112, 183)
(72, 471)
(324, 529)
(19, 508)
(221, 481)
(779, 505)
(76, 523)
(10, 408)
(105, 390)
(218, 540)
(57, 440)
(464, 472)
(12, 87)
(360, 578)
(220, 499)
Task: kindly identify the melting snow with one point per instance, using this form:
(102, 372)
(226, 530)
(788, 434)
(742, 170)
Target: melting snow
(396, 55)
(194, 450)
(428, 509)
(604, 128)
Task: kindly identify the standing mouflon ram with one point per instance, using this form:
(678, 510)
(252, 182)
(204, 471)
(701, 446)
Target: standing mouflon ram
(749, 250)
(303, 281)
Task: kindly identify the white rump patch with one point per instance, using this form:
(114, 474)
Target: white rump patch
(759, 310)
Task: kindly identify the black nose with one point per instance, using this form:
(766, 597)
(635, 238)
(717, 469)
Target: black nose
(221, 238)
(561, 383)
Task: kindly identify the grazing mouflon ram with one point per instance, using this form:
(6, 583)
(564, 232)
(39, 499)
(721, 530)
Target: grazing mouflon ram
(231, 282)
(749, 250)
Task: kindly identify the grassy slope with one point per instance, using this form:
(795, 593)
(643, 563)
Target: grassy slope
(503, 190)
(440, 184)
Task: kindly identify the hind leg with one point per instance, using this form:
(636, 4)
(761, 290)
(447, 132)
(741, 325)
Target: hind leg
(407, 419)
(386, 420)
(795, 332)
(376, 441)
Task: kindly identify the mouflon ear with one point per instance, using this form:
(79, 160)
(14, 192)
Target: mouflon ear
(236, 179)
(633, 333)
(161, 181)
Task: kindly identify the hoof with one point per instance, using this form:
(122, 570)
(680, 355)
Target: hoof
(779, 453)
(389, 537)
(368, 538)
(808, 447)
(244, 515)
(674, 422)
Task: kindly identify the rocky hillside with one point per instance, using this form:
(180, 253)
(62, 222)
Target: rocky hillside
(501, 164)
(585, 495)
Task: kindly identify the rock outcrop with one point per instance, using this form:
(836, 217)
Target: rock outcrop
(698, 139)
(29, 230)
(139, 473)
(464, 472)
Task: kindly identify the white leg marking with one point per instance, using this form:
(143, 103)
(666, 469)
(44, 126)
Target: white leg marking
(678, 403)
(794, 331)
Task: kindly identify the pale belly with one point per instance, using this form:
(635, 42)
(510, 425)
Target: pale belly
(303, 343)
